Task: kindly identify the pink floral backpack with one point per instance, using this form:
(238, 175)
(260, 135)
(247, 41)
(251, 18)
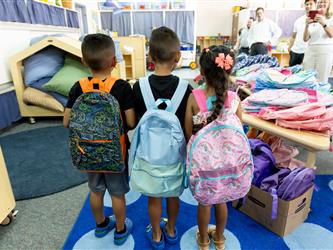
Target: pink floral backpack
(219, 160)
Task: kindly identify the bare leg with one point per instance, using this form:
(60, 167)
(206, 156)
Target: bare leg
(119, 210)
(97, 206)
(221, 216)
(172, 209)
(155, 214)
(203, 222)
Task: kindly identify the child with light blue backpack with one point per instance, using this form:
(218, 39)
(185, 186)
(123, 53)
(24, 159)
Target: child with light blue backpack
(158, 149)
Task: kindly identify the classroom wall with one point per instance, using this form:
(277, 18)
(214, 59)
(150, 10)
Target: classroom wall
(215, 16)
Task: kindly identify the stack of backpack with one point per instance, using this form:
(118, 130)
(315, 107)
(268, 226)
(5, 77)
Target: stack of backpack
(282, 183)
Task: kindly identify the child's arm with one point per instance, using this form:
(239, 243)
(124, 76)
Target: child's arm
(189, 117)
(239, 112)
(66, 117)
(130, 118)
(74, 93)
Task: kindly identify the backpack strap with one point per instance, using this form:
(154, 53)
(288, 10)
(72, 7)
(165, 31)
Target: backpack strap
(97, 85)
(178, 95)
(147, 94)
(200, 98)
(149, 98)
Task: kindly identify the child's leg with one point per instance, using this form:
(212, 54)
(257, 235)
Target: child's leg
(172, 210)
(117, 185)
(221, 216)
(97, 186)
(155, 214)
(97, 206)
(203, 222)
(119, 210)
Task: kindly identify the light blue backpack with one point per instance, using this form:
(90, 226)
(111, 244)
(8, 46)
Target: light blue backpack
(158, 149)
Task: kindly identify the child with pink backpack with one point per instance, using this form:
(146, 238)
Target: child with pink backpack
(219, 161)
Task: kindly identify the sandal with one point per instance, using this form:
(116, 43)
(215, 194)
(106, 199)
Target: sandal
(202, 245)
(219, 245)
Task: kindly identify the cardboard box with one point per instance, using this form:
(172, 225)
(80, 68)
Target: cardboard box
(290, 214)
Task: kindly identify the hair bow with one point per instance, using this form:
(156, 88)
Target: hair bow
(225, 62)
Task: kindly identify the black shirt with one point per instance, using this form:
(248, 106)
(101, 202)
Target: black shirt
(121, 90)
(162, 87)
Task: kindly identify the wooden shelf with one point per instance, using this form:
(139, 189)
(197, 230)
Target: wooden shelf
(205, 42)
(129, 65)
(137, 57)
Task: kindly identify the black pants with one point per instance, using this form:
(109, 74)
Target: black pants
(295, 59)
(244, 50)
(258, 49)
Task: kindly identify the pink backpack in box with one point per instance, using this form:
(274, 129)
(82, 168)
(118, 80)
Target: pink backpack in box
(219, 159)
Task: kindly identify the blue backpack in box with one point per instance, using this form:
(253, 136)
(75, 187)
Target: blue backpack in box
(158, 149)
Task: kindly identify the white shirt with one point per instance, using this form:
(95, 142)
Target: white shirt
(244, 43)
(318, 35)
(299, 46)
(264, 32)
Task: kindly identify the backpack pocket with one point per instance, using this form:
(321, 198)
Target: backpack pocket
(221, 185)
(157, 180)
(97, 155)
(165, 146)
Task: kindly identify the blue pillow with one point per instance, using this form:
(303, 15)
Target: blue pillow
(45, 63)
(60, 98)
(39, 85)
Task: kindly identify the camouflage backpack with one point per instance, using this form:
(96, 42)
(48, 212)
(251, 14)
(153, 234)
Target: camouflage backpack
(97, 137)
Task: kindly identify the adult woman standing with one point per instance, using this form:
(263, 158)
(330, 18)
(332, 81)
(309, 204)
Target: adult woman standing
(319, 33)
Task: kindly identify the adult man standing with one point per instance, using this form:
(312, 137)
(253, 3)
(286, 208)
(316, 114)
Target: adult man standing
(262, 33)
(297, 45)
(242, 44)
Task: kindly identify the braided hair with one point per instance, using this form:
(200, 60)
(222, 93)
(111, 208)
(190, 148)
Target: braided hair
(216, 77)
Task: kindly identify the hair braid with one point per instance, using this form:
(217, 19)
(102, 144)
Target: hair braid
(217, 78)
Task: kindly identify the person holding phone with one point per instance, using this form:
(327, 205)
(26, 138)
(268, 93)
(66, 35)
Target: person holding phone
(318, 33)
(297, 46)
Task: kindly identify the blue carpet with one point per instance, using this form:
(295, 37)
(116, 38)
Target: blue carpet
(242, 232)
(39, 163)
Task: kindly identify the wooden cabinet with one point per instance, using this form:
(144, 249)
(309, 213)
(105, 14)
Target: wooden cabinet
(7, 200)
(129, 59)
(138, 44)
